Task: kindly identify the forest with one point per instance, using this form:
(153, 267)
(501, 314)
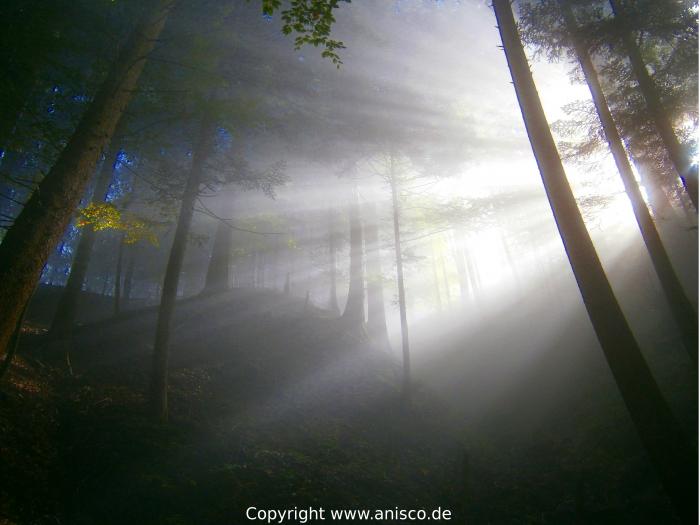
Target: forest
(296, 261)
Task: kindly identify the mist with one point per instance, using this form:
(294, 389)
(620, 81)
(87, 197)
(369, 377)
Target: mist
(333, 272)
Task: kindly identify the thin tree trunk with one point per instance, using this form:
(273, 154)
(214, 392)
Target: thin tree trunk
(39, 227)
(396, 215)
(682, 309)
(458, 257)
(129, 277)
(512, 264)
(218, 271)
(67, 309)
(332, 256)
(436, 279)
(680, 159)
(118, 276)
(658, 198)
(445, 281)
(670, 453)
(473, 272)
(14, 344)
(159, 377)
(105, 282)
(354, 313)
(376, 316)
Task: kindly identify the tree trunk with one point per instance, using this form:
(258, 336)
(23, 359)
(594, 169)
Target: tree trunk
(217, 278)
(396, 215)
(159, 377)
(683, 311)
(14, 344)
(118, 276)
(376, 316)
(39, 227)
(675, 461)
(129, 277)
(658, 198)
(332, 256)
(67, 309)
(680, 158)
(436, 279)
(458, 257)
(354, 313)
(105, 281)
(472, 272)
(445, 281)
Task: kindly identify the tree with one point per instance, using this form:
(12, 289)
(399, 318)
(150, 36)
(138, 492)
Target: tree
(354, 313)
(159, 377)
(332, 269)
(40, 225)
(679, 304)
(658, 429)
(396, 219)
(376, 316)
(678, 156)
(217, 278)
(67, 309)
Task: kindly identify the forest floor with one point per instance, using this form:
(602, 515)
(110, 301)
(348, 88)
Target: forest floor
(273, 405)
(276, 404)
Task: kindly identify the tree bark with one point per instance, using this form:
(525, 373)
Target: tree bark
(681, 308)
(354, 313)
(118, 276)
(436, 280)
(670, 452)
(67, 309)
(458, 257)
(396, 216)
(129, 277)
(332, 256)
(39, 227)
(679, 158)
(376, 316)
(217, 278)
(159, 375)
(445, 281)
(14, 345)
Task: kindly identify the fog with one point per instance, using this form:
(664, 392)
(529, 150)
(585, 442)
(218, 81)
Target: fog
(312, 171)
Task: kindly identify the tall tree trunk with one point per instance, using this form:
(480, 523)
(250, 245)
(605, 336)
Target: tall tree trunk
(67, 309)
(354, 313)
(472, 272)
(105, 281)
(436, 280)
(682, 309)
(376, 316)
(217, 278)
(39, 227)
(680, 158)
(118, 276)
(510, 260)
(396, 216)
(159, 376)
(658, 198)
(675, 461)
(458, 257)
(332, 256)
(129, 277)
(445, 281)
(14, 345)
